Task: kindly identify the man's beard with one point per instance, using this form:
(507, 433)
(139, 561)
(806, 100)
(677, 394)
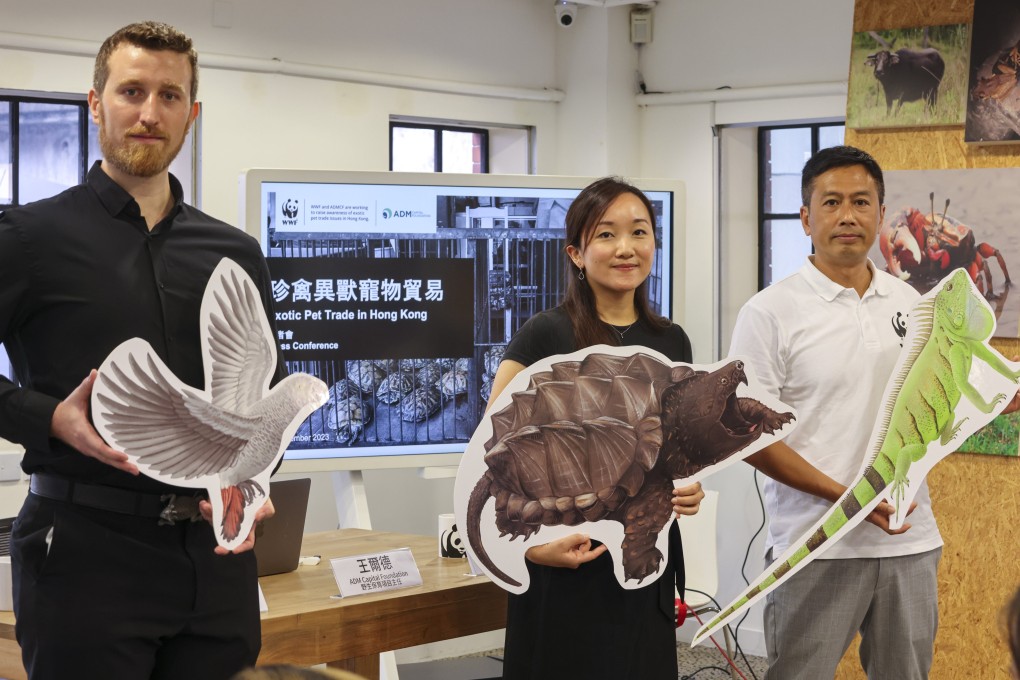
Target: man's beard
(136, 159)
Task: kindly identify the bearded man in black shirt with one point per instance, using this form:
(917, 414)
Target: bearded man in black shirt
(112, 578)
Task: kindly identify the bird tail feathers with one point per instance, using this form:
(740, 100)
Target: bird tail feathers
(233, 512)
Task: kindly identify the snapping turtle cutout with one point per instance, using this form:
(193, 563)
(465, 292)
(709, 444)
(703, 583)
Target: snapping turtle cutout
(594, 442)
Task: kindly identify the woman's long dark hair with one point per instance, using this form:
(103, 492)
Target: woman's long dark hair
(583, 215)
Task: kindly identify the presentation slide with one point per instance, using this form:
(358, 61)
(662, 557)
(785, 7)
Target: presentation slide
(403, 296)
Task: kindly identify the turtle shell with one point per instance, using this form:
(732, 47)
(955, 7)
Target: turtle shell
(394, 387)
(491, 358)
(342, 389)
(453, 383)
(420, 404)
(583, 435)
(365, 374)
(348, 417)
(427, 375)
(387, 365)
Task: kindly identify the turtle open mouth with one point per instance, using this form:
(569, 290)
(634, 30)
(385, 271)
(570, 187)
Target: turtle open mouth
(733, 420)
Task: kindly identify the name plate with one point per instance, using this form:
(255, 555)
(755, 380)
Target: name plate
(376, 572)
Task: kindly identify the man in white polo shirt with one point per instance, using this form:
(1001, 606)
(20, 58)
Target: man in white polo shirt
(824, 341)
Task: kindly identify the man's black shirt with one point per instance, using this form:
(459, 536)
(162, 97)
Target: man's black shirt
(79, 274)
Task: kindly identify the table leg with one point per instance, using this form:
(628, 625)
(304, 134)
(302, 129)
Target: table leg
(367, 666)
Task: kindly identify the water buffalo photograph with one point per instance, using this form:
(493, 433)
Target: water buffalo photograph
(914, 77)
(993, 105)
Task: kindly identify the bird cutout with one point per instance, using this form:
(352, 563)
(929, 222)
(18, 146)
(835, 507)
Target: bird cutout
(226, 438)
(946, 355)
(595, 441)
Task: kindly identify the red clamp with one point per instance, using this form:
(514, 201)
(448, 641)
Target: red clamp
(681, 611)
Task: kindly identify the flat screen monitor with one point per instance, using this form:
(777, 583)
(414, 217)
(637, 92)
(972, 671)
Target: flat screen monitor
(401, 292)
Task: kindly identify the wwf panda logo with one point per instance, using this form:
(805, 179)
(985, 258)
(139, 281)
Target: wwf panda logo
(450, 544)
(290, 208)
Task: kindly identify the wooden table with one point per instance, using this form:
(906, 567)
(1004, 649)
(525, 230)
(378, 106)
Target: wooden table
(10, 651)
(304, 626)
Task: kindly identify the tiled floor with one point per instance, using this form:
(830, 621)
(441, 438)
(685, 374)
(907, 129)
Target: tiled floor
(699, 663)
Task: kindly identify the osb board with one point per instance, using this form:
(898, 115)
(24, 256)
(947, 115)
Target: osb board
(975, 497)
(977, 504)
(879, 14)
(932, 148)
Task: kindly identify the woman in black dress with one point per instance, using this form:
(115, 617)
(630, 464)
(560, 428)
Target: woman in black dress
(575, 620)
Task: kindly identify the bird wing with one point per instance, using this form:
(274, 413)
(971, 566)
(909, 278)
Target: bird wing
(239, 346)
(167, 428)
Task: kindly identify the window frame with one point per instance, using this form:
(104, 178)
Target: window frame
(437, 138)
(14, 101)
(763, 176)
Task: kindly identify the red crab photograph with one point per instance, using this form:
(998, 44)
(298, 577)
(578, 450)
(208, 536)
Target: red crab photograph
(939, 220)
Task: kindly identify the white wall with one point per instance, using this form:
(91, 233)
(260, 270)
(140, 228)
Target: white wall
(258, 120)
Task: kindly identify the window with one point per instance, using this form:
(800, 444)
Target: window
(46, 146)
(418, 147)
(782, 152)
(48, 143)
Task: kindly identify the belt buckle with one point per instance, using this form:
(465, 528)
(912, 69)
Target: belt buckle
(178, 509)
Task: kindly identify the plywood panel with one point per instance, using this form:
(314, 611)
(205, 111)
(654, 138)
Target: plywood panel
(977, 503)
(976, 498)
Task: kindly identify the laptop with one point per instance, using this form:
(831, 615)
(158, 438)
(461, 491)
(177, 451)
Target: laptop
(278, 539)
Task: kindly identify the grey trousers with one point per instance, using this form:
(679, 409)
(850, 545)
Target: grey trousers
(811, 619)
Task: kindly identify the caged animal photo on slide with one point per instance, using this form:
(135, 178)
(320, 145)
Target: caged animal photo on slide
(424, 381)
(914, 77)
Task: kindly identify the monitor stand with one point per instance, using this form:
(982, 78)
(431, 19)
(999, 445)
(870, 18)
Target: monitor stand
(352, 513)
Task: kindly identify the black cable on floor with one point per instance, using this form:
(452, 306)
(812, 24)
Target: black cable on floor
(725, 671)
(747, 553)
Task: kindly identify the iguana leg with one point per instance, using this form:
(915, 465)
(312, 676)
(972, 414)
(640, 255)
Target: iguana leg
(960, 356)
(643, 518)
(949, 432)
(907, 455)
(993, 359)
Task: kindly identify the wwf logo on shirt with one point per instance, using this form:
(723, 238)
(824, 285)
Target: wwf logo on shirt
(900, 326)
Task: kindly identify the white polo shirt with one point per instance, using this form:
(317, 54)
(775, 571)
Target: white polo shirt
(825, 351)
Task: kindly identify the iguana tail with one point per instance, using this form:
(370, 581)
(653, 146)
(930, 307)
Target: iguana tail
(869, 488)
(864, 495)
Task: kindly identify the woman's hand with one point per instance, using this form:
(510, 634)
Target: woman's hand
(570, 551)
(687, 500)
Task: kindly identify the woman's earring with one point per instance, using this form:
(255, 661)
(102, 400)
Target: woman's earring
(580, 275)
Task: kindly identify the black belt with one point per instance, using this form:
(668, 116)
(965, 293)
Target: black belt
(169, 508)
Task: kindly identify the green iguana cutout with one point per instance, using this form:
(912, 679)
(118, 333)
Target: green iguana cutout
(918, 425)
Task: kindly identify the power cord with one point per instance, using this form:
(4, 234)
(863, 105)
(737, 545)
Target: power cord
(743, 566)
(724, 671)
(736, 644)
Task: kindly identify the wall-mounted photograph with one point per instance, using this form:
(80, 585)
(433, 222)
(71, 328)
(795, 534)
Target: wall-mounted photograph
(911, 77)
(993, 104)
(1001, 437)
(939, 220)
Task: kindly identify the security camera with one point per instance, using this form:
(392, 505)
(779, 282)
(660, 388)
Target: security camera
(566, 12)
